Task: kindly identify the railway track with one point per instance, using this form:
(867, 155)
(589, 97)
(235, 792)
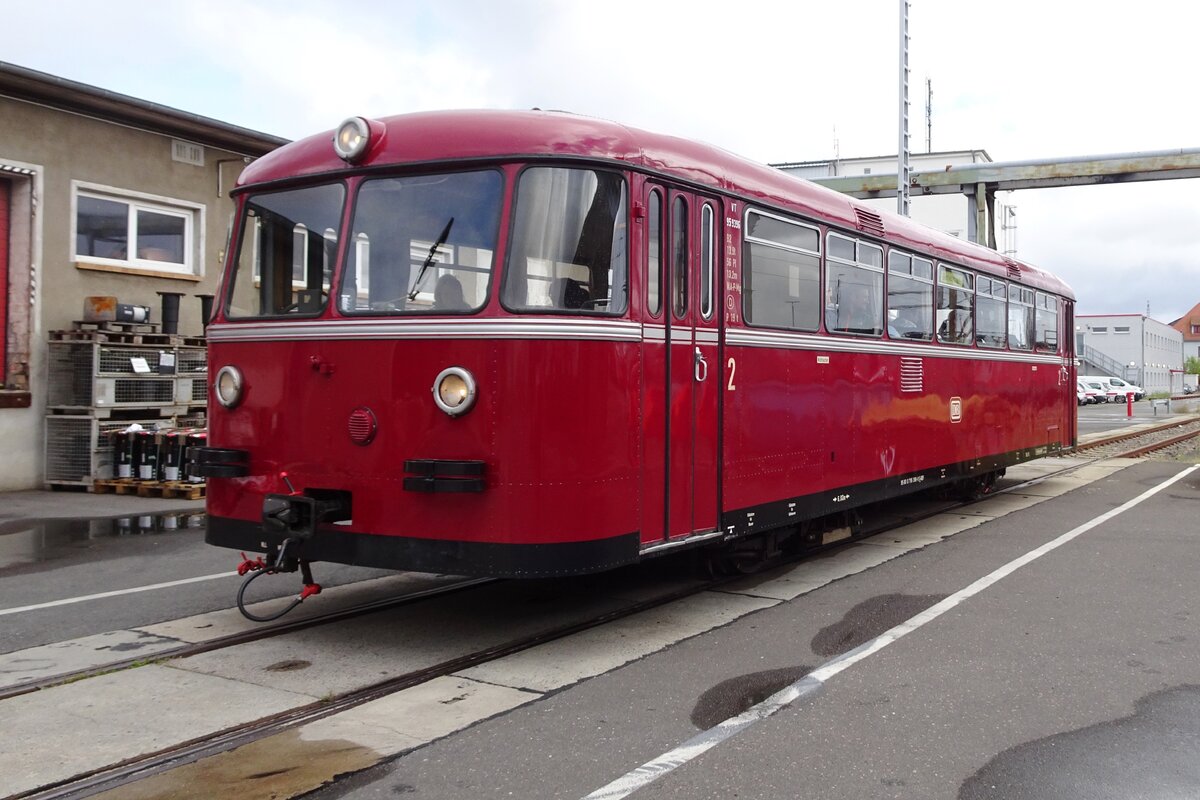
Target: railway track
(1133, 444)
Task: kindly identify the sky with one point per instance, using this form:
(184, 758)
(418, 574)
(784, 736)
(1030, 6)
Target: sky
(772, 81)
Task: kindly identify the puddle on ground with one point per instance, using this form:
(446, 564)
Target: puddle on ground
(732, 697)
(283, 765)
(49, 540)
(1153, 754)
(868, 619)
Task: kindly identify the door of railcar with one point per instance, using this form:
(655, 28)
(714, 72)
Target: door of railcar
(1069, 372)
(681, 364)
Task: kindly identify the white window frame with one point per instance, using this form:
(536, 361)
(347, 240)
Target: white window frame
(192, 215)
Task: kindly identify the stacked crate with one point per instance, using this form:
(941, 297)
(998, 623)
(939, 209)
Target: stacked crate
(105, 376)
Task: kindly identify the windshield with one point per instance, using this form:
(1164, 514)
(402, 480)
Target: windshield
(286, 252)
(422, 244)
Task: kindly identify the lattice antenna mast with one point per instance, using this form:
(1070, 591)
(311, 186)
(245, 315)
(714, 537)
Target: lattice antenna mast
(928, 115)
(902, 166)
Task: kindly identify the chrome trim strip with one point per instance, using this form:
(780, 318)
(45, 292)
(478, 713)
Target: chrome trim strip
(654, 333)
(837, 344)
(706, 336)
(523, 328)
(671, 545)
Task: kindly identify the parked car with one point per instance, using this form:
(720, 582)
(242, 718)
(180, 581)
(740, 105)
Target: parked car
(1124, 388)
(1104, 392)
(1085, 394)
(1115, 389)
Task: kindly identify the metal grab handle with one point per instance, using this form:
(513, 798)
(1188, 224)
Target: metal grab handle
(701, 367)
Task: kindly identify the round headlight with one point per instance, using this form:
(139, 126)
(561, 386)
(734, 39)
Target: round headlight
(454, 391)
(350, 139)
(228, 386)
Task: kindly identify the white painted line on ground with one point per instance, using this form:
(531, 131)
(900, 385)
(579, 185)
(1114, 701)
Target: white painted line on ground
(133, 590)
(706, 740)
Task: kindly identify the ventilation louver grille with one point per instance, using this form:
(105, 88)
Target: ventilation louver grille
(1014, 269)
(869, 221)
(362, 425)
(912, 375)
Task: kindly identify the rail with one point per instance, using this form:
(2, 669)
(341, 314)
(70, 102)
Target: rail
(146, 765)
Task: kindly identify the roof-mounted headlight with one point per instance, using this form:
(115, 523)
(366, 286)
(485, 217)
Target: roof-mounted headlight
(351, 138)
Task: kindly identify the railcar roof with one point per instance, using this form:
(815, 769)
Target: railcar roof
(476, 136)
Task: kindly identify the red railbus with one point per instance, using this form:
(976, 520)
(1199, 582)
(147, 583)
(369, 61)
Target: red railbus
(537, 344)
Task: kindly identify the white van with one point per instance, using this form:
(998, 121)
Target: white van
(1115, 387)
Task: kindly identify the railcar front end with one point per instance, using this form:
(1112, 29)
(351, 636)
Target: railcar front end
(378, 401)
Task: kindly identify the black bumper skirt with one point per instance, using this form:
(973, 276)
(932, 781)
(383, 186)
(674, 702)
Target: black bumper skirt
(489, 559)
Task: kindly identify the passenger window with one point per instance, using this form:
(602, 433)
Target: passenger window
(654, 243)
(990, 297)
(781, 273)
(956, 290)
(1020, 318)
(910, 297)
(853, 287)
(679, 258)
(1046, 320)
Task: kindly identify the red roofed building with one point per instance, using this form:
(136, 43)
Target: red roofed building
(1189, 326)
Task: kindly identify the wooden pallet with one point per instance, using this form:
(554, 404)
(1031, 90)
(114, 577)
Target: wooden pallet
(115, 486)
(148, 338)
(167, 489)
(175, 489)
(131, 412)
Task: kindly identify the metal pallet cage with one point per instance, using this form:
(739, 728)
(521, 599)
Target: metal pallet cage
(78, 449)
(102, 375)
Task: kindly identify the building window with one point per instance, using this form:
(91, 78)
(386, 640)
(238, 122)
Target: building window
(1121, 329)
(1100, 329)
(129, 231)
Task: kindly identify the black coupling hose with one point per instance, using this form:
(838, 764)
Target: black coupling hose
(277, 565)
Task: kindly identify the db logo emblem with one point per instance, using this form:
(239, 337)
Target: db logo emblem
(956, 409)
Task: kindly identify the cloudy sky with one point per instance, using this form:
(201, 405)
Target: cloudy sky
(773, 81)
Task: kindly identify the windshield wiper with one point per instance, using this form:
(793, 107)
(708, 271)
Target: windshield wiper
(441, 240)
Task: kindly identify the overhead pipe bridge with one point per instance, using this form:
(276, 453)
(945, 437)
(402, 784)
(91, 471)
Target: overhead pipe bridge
(980, 182)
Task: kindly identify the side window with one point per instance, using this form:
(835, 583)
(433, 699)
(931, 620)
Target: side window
(1020, 318)
(990, 312)
(679, 257)
(1046, 320)
(956, 290)
(569, 250)
(707, 244)
(285, 256)
(853, 286)
(910, 297)
(781, 273)
(654, 261)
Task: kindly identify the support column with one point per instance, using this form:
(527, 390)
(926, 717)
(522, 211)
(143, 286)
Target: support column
(981, 209)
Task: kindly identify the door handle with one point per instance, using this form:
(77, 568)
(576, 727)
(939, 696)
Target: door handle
(701, 367)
